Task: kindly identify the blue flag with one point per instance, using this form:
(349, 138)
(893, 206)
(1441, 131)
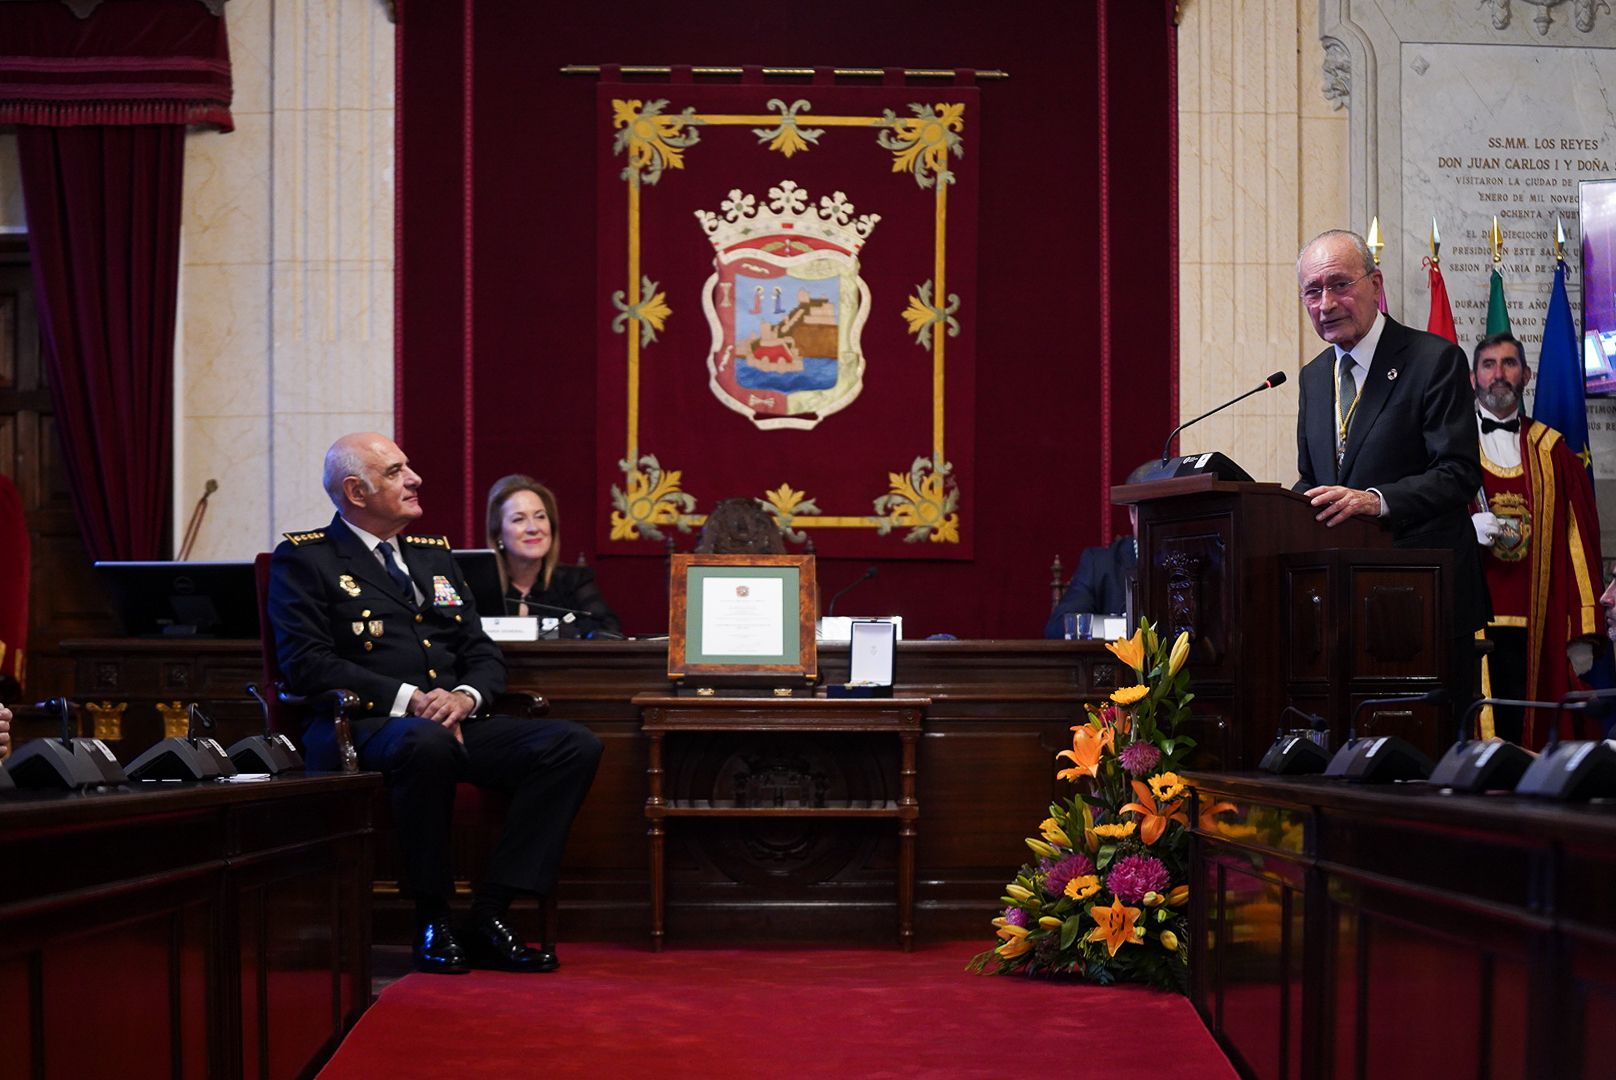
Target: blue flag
(1561, 403)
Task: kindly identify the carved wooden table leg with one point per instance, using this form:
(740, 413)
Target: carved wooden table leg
(909, 813)
(654, 808)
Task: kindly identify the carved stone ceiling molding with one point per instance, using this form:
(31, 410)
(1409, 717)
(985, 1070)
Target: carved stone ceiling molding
(1583, 13)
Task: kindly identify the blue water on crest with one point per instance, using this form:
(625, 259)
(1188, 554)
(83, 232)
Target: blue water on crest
(818, 373)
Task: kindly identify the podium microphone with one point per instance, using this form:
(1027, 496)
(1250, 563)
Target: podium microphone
(869, 572)
(1484, 764)
(1382, 758)
(1573, 770)
(1269, 383)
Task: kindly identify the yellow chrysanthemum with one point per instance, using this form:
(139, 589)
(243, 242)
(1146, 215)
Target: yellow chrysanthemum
(1129, 694)
(1083, 887)
(1117, 831)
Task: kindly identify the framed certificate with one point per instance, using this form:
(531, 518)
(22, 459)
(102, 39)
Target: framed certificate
(742, 618)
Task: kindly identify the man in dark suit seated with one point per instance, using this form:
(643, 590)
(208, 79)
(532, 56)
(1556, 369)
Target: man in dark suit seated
(1103, 579)
(1386, 427)
(357, 605)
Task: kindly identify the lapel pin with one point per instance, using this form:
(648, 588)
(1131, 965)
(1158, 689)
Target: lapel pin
(1391, 376)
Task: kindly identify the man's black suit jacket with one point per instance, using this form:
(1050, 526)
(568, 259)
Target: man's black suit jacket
(1412, 438)
(341, 622)
(1100, 585)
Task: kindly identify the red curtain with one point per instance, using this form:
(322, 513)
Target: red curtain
(104, 223)
(102, 104)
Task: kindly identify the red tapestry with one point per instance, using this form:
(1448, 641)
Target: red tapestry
(788, 283)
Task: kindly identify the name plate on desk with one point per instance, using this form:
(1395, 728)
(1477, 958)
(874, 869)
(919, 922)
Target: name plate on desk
(519, 627)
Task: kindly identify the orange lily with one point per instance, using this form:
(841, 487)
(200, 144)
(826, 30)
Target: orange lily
(1087, 747)
(1116, 925)
(1154, 816)
(1130, 651)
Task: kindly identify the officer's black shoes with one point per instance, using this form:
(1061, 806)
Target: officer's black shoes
(492, 945)
(436, 950)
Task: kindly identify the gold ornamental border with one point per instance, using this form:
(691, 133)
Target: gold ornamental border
(922, 499)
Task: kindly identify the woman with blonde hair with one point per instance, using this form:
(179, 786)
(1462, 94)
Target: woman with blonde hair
(525, 533)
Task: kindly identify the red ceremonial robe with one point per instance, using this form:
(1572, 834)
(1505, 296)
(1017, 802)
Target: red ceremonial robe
(1565, 569)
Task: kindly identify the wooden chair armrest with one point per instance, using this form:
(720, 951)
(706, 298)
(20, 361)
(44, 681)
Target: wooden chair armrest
(520, 703)
(342, 705)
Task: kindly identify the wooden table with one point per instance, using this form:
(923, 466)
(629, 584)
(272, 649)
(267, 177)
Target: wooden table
(164, 930)
(1392, 931)
(901, 716)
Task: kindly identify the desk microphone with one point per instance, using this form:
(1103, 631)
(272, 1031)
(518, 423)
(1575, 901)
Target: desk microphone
(1573, 770)
(869, 572)
(568, 615)
(1484, 764)
(65, 762)
(1269, 383)
(1296, 752)
(185, 757)
(1382, 758)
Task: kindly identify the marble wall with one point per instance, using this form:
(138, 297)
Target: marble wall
(1263, 167)
(286, 305)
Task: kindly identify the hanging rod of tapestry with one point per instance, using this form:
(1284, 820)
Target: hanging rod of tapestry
(783, 72)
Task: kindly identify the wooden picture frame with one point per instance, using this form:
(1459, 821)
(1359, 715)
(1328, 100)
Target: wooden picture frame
(791, 656)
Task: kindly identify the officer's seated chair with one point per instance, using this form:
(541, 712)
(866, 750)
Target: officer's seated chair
(285, 713)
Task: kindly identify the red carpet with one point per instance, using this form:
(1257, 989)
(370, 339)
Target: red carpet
(622, 1011)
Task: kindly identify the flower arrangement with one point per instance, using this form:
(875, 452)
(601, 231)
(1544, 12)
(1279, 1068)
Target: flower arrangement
(1107, 898)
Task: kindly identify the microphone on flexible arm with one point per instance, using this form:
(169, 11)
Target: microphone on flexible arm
(1299, 750)
(1484, 764)
(1382, 758)
(1216, 464)
(869, 572)
(1573, 769)
(568, 615)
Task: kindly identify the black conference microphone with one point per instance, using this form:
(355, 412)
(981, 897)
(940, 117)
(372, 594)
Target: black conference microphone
(1484, 764)
(869, 572)
(65, 762)
(1573, 770)
(1383, 758)
(1295, 752)
(270, 752)
(568, 615)
(185, 757)
(1269, 383)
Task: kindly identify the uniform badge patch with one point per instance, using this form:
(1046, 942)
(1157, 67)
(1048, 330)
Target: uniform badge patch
(348, 585)
(443, 593)
(358, 627)
(375, 627)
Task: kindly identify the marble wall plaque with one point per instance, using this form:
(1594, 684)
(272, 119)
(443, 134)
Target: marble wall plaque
(1507, 131)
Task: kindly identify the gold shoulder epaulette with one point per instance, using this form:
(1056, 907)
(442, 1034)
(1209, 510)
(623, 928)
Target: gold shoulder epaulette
(428, 541)
(305, 537)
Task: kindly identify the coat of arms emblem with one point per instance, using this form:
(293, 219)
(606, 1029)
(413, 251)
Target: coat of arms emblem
(786, 305)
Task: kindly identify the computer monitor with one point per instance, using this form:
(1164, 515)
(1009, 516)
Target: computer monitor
(481, 569)
(183, 599)
(1597, 217)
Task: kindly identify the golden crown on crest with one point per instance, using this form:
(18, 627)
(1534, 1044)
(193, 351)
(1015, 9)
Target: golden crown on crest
(789, 210)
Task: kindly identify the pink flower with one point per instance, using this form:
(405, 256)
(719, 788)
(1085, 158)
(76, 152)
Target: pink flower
(1131, 878)
(1065, 870)
(1139, 758)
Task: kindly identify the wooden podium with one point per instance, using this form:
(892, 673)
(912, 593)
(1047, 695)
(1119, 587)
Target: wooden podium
(1283, 611)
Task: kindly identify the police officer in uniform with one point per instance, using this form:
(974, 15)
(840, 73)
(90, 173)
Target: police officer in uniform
(361, 606)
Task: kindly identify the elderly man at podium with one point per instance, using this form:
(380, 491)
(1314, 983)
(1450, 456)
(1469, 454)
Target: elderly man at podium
(1386, 426)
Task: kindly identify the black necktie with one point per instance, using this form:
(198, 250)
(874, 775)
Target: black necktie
(400, 578)
(1513, 424)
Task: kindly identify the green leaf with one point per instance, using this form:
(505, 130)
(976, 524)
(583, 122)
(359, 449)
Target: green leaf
(1103, 858)
(1069, 931)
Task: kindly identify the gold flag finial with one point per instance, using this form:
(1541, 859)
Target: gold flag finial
(1559, 238)
(1436, 242)
(1496, 238)
(1374, 241)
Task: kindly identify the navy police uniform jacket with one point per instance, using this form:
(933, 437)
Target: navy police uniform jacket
(340, 621)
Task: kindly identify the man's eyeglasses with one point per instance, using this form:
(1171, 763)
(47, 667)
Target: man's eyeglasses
(1313, 294)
